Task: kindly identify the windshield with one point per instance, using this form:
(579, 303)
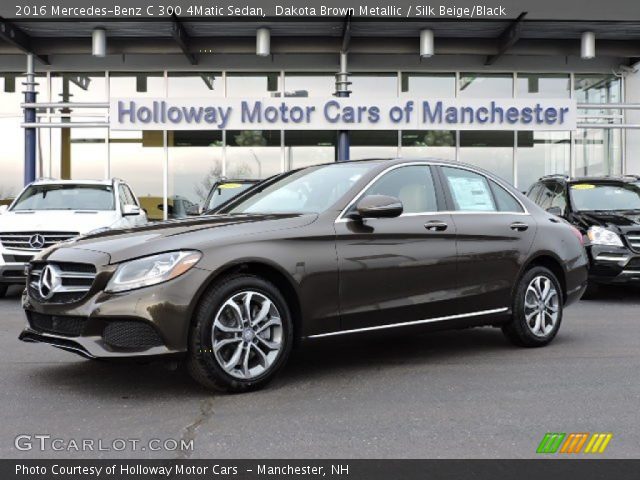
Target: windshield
(605, 197)
(311, 190)
(66, 197)
(225, 191)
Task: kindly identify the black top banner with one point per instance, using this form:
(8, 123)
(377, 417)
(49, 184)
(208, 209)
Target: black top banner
(611, 10)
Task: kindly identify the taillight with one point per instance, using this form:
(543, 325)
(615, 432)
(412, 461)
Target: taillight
(578, 234)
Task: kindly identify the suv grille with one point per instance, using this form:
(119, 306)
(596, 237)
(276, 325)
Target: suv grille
(73, 281)
(34, 241)
(634, 240)
(69, 326)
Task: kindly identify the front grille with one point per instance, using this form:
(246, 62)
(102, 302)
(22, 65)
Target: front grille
(33, 241)
(634, 240)
(634, 264)
(59, 325)
(71, 283)
(17, 258)
(131, 334)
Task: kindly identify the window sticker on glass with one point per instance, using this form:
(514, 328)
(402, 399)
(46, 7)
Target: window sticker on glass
(471, 193)
(583, 186)
(230, 185)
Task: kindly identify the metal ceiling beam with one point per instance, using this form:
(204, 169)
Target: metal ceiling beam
(346, 34)
(181, 37)
(507, 39)
(16, 37)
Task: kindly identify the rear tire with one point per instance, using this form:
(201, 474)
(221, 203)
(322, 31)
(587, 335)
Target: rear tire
(537, 309)
(3, 290)
(242, 335)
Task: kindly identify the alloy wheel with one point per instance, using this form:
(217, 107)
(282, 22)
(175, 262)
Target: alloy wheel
(541, 306)
(247, 335)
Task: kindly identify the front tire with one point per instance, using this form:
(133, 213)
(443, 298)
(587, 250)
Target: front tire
(3, 290)
(242, 335)
(537, 309)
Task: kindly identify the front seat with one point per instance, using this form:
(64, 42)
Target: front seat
(414, 198)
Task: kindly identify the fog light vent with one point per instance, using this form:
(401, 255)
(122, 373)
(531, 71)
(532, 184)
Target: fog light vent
(131, 334)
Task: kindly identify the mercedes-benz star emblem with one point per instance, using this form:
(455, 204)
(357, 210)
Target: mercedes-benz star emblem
(50, 281)
(36, 241)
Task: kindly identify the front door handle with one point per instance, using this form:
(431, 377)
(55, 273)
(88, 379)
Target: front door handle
(436, 226)
(519, 226)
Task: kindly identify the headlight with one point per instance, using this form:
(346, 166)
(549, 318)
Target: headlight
(152, 270)
(602, 236)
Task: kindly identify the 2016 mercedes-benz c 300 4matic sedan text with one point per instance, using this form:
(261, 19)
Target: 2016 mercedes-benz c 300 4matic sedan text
(323, 251)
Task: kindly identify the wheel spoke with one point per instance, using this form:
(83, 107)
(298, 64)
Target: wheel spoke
(530, 315)
(274, 321)
(261, 354)
(235, 308)
(225, 328)
(227, 341)
(235, 358)
(247, 305)
(262, 314)
(245, 363)
(269, 344)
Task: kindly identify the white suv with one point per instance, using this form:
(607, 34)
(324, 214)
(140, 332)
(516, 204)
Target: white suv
(51, 211)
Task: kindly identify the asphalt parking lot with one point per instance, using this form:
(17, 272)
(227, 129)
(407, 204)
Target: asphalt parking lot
(463, 394)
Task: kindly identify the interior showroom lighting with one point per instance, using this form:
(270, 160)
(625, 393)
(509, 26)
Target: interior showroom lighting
(588, 45)
(263, 42)
(99, 42)
(426, 43)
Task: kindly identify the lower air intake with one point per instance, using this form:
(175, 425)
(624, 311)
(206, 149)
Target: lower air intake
(132, 334)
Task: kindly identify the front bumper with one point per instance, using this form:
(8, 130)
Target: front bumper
(613, 265)
(148, 322)
(12, 273)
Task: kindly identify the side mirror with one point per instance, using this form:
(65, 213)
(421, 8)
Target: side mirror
(379, 206)
(3, 208)
(131, 210)
(193, 211)
(557, 211)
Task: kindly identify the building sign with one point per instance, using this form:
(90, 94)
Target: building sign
(341, 114)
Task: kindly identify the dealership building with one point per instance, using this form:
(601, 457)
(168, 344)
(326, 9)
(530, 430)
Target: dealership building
(75, 71)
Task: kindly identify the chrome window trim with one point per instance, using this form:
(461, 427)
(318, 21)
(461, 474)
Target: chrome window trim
(413, 322)
(342, 219)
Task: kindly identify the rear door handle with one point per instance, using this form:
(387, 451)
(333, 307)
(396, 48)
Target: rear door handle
(436, 226)
(519, 226)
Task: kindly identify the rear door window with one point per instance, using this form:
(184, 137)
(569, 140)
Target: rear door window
(470, 191)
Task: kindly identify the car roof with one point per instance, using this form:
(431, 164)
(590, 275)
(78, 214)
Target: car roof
(53, 181)
(238, 180)
(593, 179)
(606, 179)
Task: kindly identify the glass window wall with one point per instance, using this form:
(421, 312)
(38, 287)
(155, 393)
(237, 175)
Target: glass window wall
(489, 149)
(429, 143)
(542, 153)
(304, 148)
(253, 153)
(547, 85)
(428, 85)
(195, 164)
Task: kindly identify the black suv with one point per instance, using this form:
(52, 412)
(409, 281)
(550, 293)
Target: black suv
(607, 212)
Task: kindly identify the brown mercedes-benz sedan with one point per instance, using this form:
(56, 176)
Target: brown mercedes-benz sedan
(323, 251)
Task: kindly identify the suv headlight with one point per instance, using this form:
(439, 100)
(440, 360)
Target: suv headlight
(152, 270)
(602, 236)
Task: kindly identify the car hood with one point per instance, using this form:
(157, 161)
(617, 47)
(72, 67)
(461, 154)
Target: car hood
(56, 221)
(192, 233)
(614, 221)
